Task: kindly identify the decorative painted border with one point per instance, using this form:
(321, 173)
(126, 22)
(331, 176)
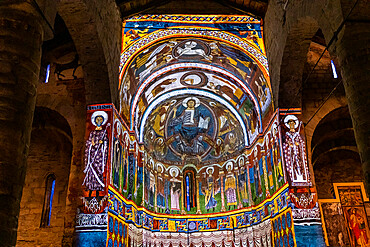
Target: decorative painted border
(196, 18)
(147, 40)
(166, 69)
(280, 229)
(141, 217)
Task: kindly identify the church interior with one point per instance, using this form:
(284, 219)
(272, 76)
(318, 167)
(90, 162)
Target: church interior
(162, 123)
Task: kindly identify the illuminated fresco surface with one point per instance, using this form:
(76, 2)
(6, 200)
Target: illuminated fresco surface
(195, 153)
(194, 90)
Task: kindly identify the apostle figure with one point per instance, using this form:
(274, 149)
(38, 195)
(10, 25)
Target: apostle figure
(210, 190)
(243, 186)
(276, 152)
(257, 175)
(131, 175)
(230, 186)
(116, 163)
(160, 193)
(175, 190)
(269, 164)
(96, 153)
(146, 185)
(294, 151)
(151, 189)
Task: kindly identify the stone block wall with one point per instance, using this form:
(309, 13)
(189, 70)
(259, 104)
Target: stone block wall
(50, 153)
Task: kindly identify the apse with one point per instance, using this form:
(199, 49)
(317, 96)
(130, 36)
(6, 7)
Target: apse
(195, 150)
(196, 95)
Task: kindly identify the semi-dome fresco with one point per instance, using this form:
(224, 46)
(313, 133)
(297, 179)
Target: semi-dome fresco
(196, 95)
(196, 145)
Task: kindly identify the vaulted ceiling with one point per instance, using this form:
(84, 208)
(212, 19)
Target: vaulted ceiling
(255, 8)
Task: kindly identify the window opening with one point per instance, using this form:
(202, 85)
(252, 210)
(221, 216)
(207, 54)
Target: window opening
(48, 200)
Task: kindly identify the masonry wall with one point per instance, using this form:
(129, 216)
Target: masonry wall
(50, 152)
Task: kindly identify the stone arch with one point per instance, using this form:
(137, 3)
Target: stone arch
(329, 106)
(335, 156)
(50, 153)
(95, 27)
(284, 37)
(333, 132)
(294, 56)
(74, 114)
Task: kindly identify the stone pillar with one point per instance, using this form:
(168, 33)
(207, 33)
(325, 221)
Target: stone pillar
(353, 54)
(21, 36)
(73, 199)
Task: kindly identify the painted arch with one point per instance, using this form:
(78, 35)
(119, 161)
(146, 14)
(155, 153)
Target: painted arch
(219, 66)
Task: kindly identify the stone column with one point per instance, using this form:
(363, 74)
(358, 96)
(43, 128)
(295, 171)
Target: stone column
(21, 36)
(353, 54)
(73, 199)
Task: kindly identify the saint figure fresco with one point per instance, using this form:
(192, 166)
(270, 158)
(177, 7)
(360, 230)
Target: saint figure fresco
(210, 190)
(96, 153)
(175, 190)
(257, 175)
(357, 226)
(230, 186)
(295, 151)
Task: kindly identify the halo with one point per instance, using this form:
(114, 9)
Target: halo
(213, 104)
(118, 127)
(151, 163)
(160, 166)
(185, 102)
(230, 163)
(241, 158)
(127, 139)
(291, 117)
(174, 172)
(219, 141)
(102, 114)
(211, 169)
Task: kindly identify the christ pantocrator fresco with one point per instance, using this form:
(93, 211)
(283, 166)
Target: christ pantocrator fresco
(192, 129)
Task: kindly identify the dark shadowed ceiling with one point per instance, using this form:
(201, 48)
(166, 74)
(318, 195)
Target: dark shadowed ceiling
(255, 8)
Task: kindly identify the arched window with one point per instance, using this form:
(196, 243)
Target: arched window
(48, 200)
